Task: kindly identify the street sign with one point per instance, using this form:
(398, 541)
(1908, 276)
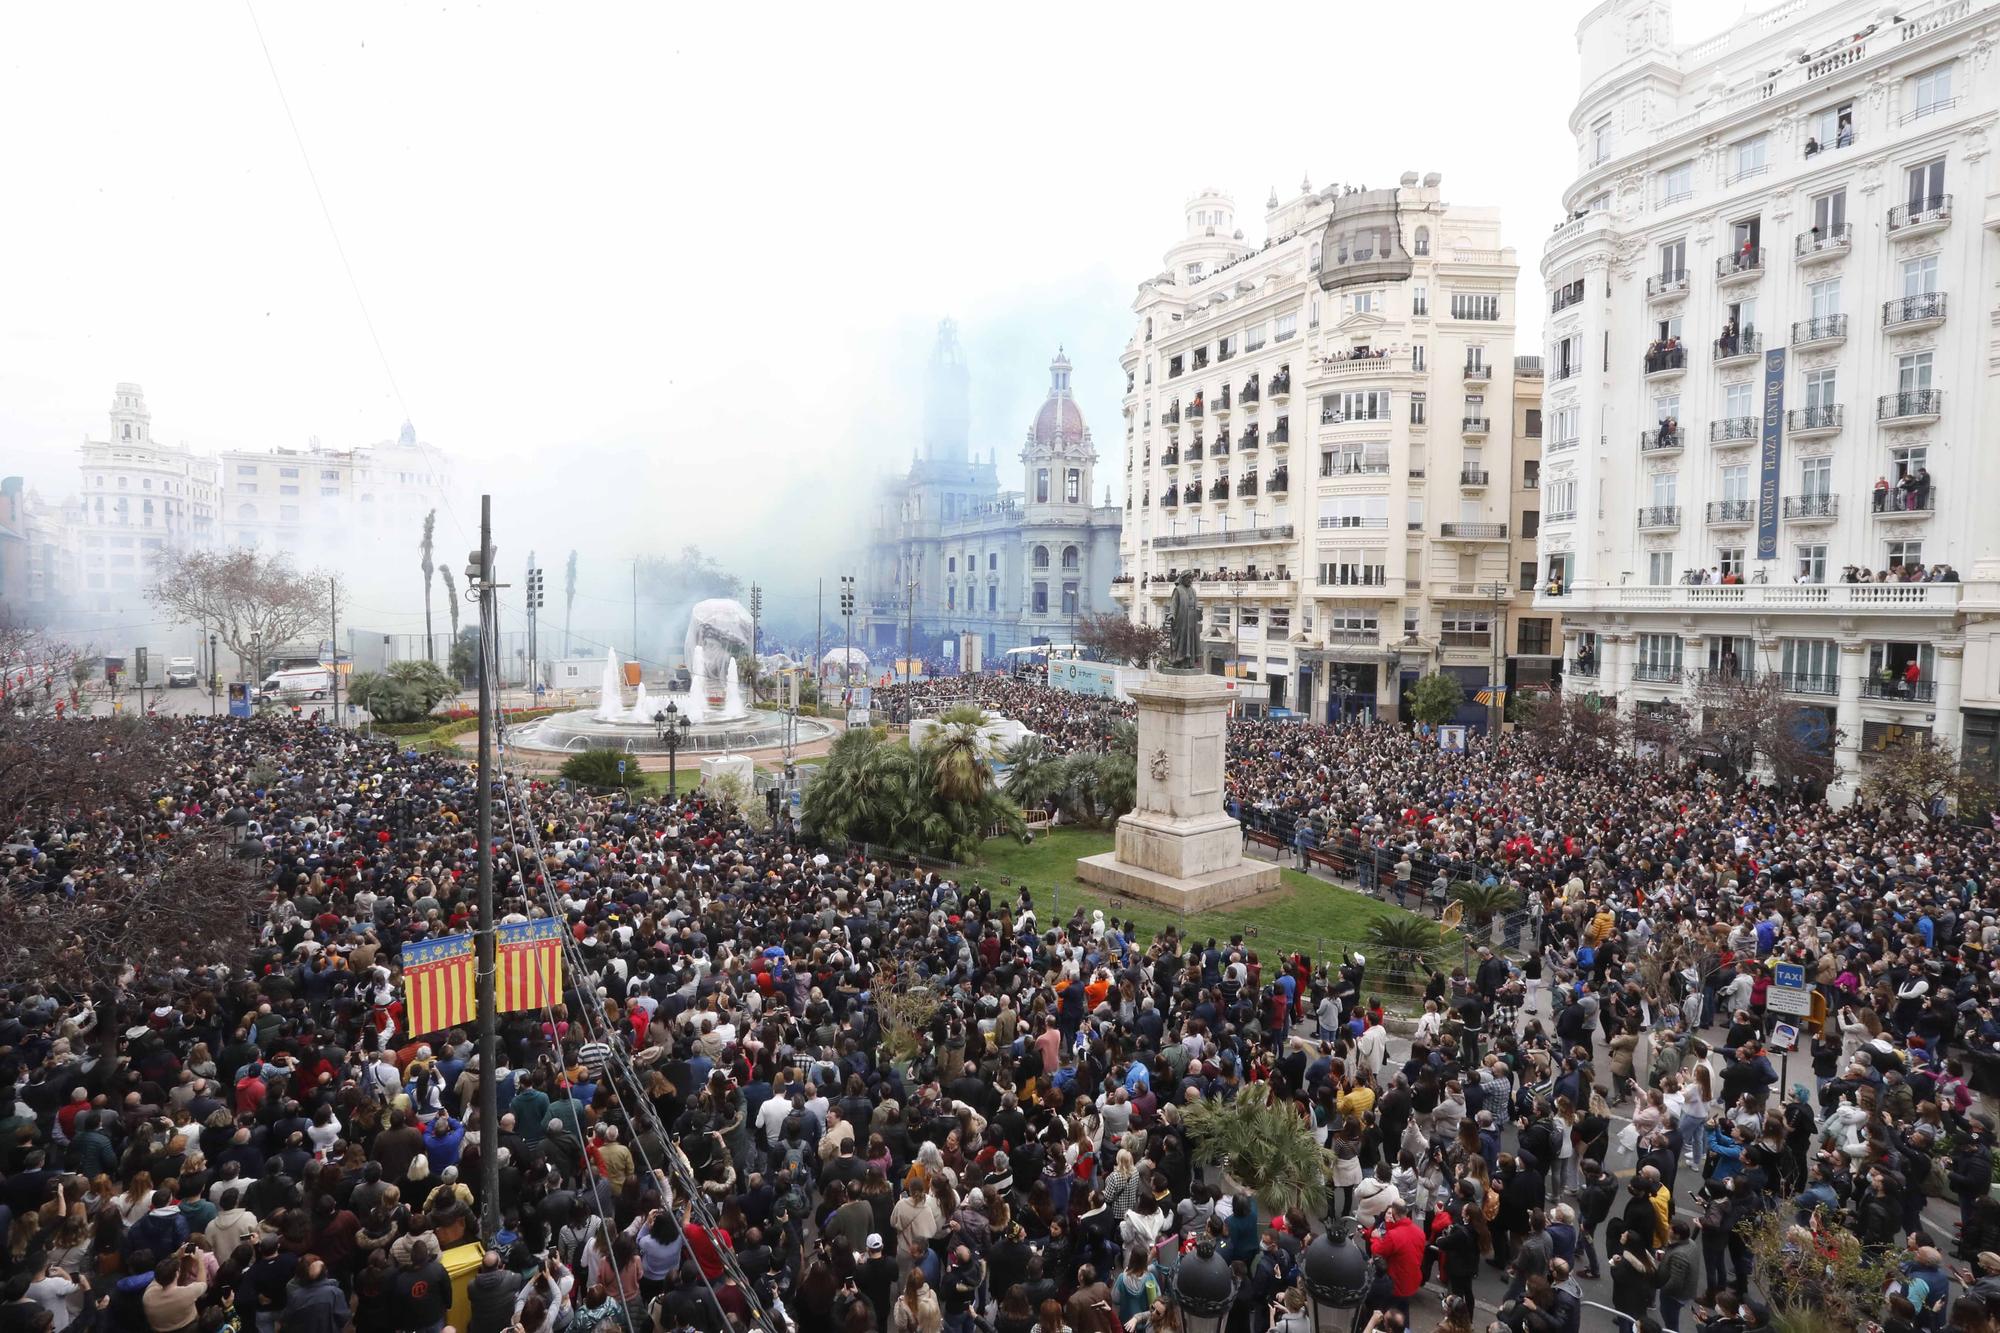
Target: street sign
(621, 768)
(139, 665)
(1784, 1036)
(1788, 1000)
(1790, 975)
(239, 699)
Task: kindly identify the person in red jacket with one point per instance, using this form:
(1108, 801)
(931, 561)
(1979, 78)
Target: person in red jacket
(1399, 1242)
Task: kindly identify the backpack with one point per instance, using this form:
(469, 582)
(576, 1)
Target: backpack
(798, 1158)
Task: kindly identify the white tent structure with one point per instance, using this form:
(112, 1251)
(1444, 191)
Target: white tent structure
(854, 659)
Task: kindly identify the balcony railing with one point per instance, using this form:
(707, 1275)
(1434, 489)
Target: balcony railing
(1172, 416)
(1281, 433)
(1247, 486)
(1659, 516)
(1250, 393)
(1170, 457)
(1478, 374)
(1817, 420)
(1279, 482)
(1913, 599)
(1466, 638)
(1476, 425)
(1557, 446)
(1919, 501)
(1723, 513)
(1732, 429)
(1219, 491)
(1825, 329)
(1475, 531)
(1472, 476)
(1355, 465)
(1663, 285)
(1656, 672)
(1281, 384)
(1221, 403)
(1921, 311)
(1911, 405)
(1577, 668)
(1247, 442)
(1804, 508)
(1228, 536)
(1919, 215)
(1194, 410)
(1566, 296)
(1747, 262)
(1900, 691)
(1194, 452)
(1666, 360)
(1829, 243)
(1328, 522)
(1663, 437)
(1559, 515)
(1736, 346)
(1806, 682)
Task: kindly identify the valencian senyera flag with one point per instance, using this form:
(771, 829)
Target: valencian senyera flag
(528, 965)
(438, 984)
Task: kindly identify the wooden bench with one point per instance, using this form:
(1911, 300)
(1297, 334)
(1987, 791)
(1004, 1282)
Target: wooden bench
(1264, 838)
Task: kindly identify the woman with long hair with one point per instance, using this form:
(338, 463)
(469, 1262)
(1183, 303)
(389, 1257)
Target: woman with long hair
(917, 1309)
(1697, 1090)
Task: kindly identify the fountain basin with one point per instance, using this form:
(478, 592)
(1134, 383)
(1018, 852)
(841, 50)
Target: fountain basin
(582, 729)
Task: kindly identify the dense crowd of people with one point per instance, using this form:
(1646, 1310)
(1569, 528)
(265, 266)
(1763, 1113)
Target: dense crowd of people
(798, 1089)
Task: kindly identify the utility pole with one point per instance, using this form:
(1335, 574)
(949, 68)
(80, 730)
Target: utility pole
(536, 600)
(909, 633)
(847, 657)
(479, 582)
(1495, 708)
(333, 640)
(756, 614)
(214, 674)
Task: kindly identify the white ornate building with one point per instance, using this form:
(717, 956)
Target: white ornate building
(1323, 426)
(951, 552)
(1770, 350)
(139, 497)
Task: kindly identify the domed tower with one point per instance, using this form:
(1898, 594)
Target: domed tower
(947, 399)
(1211, 239)
(131, 423)
(1058, 457)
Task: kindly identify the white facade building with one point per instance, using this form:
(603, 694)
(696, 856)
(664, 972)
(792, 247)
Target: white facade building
(139, 496)
(1323, 427)
(310, 502)
(1768, 357)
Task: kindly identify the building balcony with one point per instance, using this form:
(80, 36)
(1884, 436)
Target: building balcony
(1911, 314)
(1801, 682)
(1278, 482)
(1895, 504)
(1655, 673)
(1558, 515)
(1194, 452)
(1249, 440)
(1724, 675)
(1247, 487)
(1221, 406)
(1220, 449)
(1467, 592)
(1281, 434)
(1475, 426)
(1821, 332)
(1282, 532)
(1913, 407)
(1581, 670)
(1818, 247)
(1557, 446)
(1667, 286)
(1746, 265)
(1900, 691)
(1478, 374)
(1659, 518)
(1732, 348)
(1666, 438)
(1920, 217)
(1219, 491)
(1354, 465)
(1281, 386)
(1465, 638)
(1251, 394)
(1914, 599)
(1472, 478)
(1666, 362)
(1806, 422)
(1733, 430)
(1730, 513)
(1170, 458)
(1473, 532)
(1811, 508)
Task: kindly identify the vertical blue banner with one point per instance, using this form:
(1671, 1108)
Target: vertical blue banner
(1771, 456)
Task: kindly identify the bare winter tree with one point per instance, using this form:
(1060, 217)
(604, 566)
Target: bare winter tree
(1110, 637)
(1922, 776)
(1567, 730)
(248, 597)
(1663, 730)
(1747, 717)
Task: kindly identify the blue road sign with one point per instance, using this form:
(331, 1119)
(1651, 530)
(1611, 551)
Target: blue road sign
(1789, 974)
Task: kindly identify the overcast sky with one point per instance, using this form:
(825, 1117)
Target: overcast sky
(664, 273)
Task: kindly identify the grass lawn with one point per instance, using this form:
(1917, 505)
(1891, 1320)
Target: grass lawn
(1302, 912)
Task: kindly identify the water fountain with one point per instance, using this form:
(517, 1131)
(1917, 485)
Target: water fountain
(718, 630)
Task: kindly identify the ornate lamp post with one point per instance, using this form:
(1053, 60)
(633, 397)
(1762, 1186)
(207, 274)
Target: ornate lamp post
(1335, 1273)
(672, 729)
(1204, 1288)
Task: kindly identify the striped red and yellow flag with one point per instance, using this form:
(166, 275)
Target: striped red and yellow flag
(528, 965)
(438, 984)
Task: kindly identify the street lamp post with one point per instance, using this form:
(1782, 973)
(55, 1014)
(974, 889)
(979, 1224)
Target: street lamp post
(672, 728)
(214, 675)
(1335, 1274)
(846, 658)
(1496, 631)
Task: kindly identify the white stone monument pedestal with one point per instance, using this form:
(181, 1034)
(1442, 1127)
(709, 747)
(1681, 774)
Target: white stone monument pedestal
(1179, 847)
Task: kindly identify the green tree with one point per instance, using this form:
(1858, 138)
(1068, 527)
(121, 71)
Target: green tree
(1483, 902)
(939, 800)
(1404, 947)
(599, 768)
(1434, 698)
(464, 647)
(1266, 1146)
(406, 692)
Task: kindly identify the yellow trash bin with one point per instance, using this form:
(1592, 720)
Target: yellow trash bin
(461, 1261)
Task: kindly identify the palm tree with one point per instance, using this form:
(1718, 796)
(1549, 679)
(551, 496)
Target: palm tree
(569, 598)
(1266, 1146)
(956, 756)
(430, 532)
(1483, 902)
(1034, 775)
(1404, 945)
(451, 603)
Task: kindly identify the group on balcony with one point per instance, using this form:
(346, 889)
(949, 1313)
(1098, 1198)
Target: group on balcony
(1843, 135)
(1363, 353)
(1716, 574)
(1910, 494)
(1734, 341)
(1899, 574)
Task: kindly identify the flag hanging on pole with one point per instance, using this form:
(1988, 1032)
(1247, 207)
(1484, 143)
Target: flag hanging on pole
(438, 984)
(1486, 696)
(527, 967)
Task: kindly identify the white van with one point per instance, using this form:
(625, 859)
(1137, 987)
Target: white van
(310, 682)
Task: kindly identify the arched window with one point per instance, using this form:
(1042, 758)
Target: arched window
(1071, 558)
(1041, 557)
(1423, 240)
